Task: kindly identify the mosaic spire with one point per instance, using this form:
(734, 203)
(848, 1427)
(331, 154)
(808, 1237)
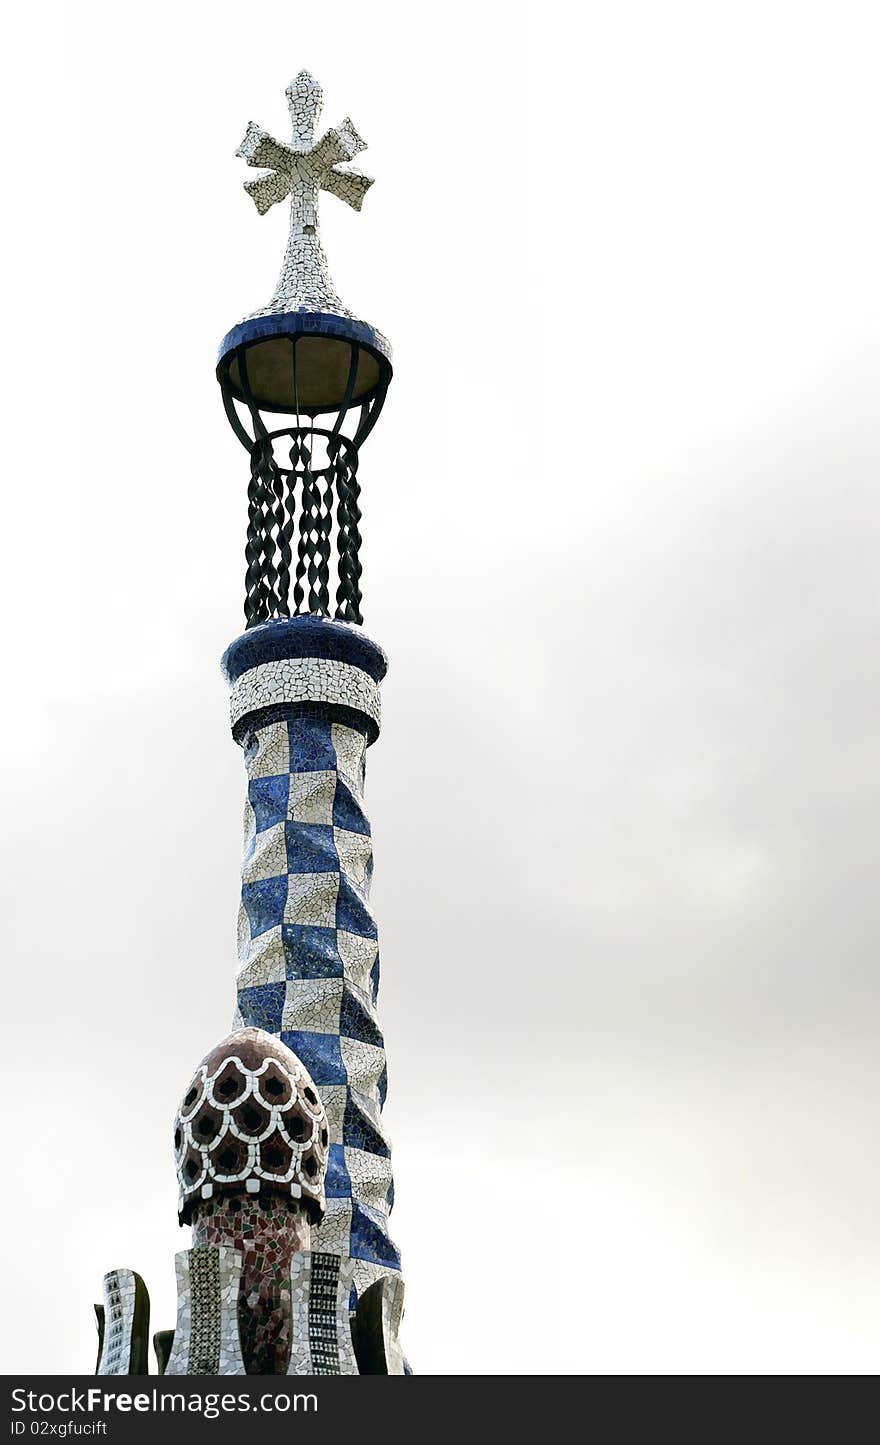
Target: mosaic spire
(304, 380)
(300, 169)
(283, 1161)
(305, 707)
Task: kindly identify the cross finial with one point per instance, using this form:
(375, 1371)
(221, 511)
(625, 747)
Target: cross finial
(304, 163)
(305, 100)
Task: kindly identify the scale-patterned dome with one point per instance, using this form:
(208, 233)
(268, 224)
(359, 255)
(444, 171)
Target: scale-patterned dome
(251, 1120)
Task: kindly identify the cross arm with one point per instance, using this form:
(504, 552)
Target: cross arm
(348, 185)
(264, 191)
(342, 143)
(259, 148)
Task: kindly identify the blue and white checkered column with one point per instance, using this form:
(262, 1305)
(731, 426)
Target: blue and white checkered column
(305, 707)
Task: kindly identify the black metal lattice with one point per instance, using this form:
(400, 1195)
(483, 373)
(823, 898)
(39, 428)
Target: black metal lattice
(303, 497)
(300, 511)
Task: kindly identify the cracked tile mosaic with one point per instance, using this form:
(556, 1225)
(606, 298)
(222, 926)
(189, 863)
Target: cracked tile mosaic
(376, 1327)
(299, 170)
(251, 1116)
(206, 1339)
(308, 948)
(304, 679)
(283, 1162)
(126, 1324)
(266, 1232)
(321, 1287)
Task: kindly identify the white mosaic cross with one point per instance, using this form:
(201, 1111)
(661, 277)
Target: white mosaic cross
(300, 169)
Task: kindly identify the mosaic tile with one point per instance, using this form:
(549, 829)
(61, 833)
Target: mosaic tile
(307, 679)
(376, 1325)
(366, 1272)
(266, 959)
(336, 1226)
(299, 170)
(126, 1324)
(283, 1163)
(305, 322)
(252, 1151)
(311, 952)
(311, 848)
(354, 852)
(310, 899)
(320, 1292)
(308, 636)
(313, 1006)
(325, 1011)
(364, 1064)
(334, 1097)
(251, 1116)
(269, 755)
(369, 1234)
(266, 1232)
(362, 1127)
(359, 957)
(206, 1339)
(310, 797)
(371, 1175)
(268, 855)
(350, 750)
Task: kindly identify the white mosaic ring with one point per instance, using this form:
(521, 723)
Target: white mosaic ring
(304, 661)
(304, 679)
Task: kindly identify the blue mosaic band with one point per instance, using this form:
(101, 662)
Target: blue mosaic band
(328, 670)
(308, 942)
(303, 323)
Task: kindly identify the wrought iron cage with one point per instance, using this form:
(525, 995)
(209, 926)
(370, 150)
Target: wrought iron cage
(303, 493)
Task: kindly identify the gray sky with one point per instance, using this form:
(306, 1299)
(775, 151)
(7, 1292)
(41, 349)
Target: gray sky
(621, 525)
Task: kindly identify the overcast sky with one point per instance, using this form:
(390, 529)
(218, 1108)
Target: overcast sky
(621, 527)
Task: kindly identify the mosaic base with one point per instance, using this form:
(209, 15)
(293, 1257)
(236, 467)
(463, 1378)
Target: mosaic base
(320, 1291)
(266, 1233)
(206, 1340)
(125, 1324)
(376, 1328)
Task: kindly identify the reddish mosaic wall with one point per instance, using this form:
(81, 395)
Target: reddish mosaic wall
(266, 1230)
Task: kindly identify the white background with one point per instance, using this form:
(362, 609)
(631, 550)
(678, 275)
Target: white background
(621, 529)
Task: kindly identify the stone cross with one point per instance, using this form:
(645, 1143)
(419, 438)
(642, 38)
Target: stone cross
(300, 170)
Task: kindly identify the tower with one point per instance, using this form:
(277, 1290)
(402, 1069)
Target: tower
(283, 1162)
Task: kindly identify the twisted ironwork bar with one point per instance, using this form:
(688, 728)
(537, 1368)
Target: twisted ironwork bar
(303, 493)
